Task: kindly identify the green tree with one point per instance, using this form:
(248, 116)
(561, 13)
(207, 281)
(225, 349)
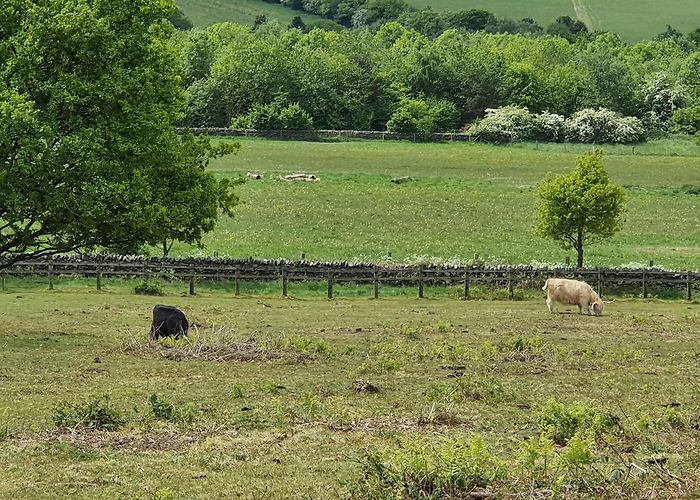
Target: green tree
(89, 93)
(581, 208)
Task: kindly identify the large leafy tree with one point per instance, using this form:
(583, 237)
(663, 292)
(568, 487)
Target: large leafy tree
(89, 157)
(580, 208)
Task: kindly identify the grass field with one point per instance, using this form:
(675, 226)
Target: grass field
(623, 386)
(466, 199)
(205, 12)
(634, 20)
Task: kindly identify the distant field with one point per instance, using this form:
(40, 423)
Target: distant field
(205, 12)
(633, 19)
(294, 427)
(466, 199)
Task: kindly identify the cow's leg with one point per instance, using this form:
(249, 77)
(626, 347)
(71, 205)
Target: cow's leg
(550, 305)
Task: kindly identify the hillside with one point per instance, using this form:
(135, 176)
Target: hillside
(206, 12)
(633, 19)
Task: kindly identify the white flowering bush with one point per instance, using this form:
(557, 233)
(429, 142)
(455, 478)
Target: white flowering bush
(603, 125)
(506, 124)
(513, 123)
(662, 98)
(547, 127)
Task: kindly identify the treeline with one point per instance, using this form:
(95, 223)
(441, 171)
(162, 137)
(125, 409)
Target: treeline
(374, 13)
(396, 78)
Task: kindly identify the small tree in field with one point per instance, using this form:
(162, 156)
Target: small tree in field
(581, 208)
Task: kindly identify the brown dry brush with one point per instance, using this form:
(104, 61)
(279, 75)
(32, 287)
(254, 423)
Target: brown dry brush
(214, 344)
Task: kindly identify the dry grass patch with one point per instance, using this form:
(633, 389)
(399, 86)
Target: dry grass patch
(118, 441)
(219, 344)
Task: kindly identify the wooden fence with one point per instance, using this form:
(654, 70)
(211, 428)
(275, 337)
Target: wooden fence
(315, 135)
(333, 273)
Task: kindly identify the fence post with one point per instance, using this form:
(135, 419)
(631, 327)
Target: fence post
(645, 288)
(510, 284)
(466, 283)
(330, 285)
(420, 281)
(99, 278)
(50, 276)
(689, 285)
(376, 282)
(600, 282)
(284, 281)
(237, 282)
(191, 279)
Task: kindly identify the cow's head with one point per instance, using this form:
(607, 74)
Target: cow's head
(598, 307)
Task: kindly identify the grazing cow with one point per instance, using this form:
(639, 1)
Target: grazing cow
(400, 180)
(572, 292)
(300, 177)
(168, 321)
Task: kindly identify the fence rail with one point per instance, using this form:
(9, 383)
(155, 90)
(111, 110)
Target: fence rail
(314, 135)
(335, 273)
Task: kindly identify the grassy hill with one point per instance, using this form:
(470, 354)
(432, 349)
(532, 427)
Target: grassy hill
(206, 12)
(633, 19)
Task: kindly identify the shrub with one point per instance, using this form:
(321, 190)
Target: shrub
(506, 124)
(97, 413)
(160, 408)
(561, 422)
(277, 115)
(662, 96)
(293, 117)
(512, 123)
(602, 125)
(148, 288)
(420, 471)
(547, 127)
(686, 120)
(423, 116)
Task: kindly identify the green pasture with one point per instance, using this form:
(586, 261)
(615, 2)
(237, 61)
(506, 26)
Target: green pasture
(633, 20)
(294, 426)
(465, 199)
(205, 12)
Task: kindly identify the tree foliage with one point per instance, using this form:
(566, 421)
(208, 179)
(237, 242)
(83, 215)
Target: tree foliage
(580, 208)
(358, 79)
(89, 156)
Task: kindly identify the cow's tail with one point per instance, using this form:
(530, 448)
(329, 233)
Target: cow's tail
(546, 284)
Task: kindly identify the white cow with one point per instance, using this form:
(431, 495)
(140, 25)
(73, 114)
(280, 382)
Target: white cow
(572, 292)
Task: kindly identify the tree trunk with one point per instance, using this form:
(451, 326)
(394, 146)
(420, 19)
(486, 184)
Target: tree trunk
(166, 247)
(579, 248)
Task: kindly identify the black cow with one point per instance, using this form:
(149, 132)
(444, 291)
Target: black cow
(168, 321)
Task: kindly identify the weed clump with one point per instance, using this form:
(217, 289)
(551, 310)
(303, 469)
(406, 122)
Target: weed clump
(421, 471)
(468, 388)
(159, 408)
(148, 288)
(97, 413)
(561, 422)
